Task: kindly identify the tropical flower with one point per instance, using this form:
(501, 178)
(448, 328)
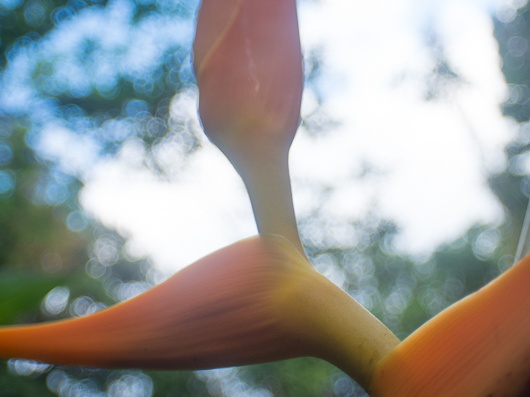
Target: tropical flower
(260, 299)
(248, 64)
(478, 347)
(257, 300)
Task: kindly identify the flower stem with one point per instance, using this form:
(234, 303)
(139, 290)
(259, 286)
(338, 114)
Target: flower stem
(340, 329)
(266, 177)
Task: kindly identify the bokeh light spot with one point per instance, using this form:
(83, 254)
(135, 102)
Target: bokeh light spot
(106, 251)
(344, 387)
(76, 221)
(397, 301)
(10, 4)
(35, 13)
(95, 269)
(486, 243)
(6, 155)
(56, 300)
(131, 385)
(7, 182)
(83, 306)
(27, 367)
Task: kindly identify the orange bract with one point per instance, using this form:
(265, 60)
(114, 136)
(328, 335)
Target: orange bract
(255, 301)
(478, 347)
(217, 312)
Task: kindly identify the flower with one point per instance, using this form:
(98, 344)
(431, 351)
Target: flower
(260, 299)
(254, 301)
(216, 312)
(479, 346)
(248, 63)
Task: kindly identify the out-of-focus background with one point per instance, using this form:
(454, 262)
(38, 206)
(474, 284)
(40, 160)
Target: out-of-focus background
(410, 169)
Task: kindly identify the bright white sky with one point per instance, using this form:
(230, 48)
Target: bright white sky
(430, 158)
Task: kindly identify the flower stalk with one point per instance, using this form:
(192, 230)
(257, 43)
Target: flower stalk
(250, 83)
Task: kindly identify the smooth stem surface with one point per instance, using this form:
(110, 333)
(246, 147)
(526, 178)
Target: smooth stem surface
(338, 328)
(266, 177)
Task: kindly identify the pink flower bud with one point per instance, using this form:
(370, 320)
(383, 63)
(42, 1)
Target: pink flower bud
(248, 64)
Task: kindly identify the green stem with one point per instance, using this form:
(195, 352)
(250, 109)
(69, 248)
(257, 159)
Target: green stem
(342, 331)
(266, 177)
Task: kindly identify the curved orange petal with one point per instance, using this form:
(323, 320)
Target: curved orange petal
(480, 346)
(216, 312)
(257, 300)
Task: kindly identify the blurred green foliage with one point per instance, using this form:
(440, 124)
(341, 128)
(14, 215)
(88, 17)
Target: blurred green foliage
(53, 74)
(22, 293)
